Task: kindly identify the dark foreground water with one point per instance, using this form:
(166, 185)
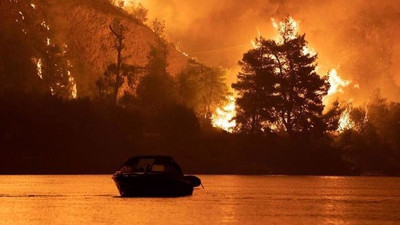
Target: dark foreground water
(225, 200)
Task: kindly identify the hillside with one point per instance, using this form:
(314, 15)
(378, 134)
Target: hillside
(83, 26)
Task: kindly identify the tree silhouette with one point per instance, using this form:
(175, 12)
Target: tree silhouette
(279, 89)
(56, 72)
(202, 88)
(331, 118)
(140, 13)
(106, 84)
(159, 29)
(117, 73)
(157, 87)
(257, 92)
(31, 60)
(18, 42)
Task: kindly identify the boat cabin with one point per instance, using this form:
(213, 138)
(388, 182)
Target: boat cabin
(151, 165)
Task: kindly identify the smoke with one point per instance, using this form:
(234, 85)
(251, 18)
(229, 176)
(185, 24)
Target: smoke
(359, 38)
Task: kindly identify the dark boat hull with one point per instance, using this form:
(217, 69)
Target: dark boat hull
(151, 185)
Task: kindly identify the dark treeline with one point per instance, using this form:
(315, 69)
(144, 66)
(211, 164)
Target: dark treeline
(46, 134)
(281, 127)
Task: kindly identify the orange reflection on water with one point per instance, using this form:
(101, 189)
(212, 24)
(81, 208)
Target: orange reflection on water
(225, 200)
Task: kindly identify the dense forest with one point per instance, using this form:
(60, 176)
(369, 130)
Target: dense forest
(74, 102)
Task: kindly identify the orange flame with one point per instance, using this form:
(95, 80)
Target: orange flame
(337, 83)
(126, 4)
(337, 86)
(287, 30)
(345, 122)
(223, 117)
(39, 70)
(74, 90)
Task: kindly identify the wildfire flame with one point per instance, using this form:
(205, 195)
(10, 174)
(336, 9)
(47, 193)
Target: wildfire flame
(337, 83)
(223, 117)
(126, 4)
(45, 25)
(254, 44)
(74, 90)
(39, 70)
(345, 121)
(337, 86)
(308, 51)
(179, 48)
(287, 29)
(22, 15)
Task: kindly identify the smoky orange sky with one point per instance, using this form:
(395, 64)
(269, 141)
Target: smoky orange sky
(359, 38)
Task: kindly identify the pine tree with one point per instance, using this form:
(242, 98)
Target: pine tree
(279, 88)
(256, 91)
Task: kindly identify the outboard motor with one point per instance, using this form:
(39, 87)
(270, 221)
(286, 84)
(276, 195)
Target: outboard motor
(193, 180)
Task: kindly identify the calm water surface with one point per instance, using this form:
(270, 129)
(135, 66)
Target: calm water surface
(225, 200)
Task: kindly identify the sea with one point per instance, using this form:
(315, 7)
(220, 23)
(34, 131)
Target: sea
(225, 199)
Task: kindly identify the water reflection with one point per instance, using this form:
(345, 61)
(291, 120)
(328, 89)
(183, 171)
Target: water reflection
(225, 200)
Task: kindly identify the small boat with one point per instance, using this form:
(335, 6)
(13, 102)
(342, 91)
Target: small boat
(153, 176)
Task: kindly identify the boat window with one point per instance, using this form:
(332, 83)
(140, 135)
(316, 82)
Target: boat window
(126, 169)
(144, 165)
(158, 168)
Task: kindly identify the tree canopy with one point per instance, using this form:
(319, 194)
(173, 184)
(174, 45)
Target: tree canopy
(117, 73)
(202, 88)
(279, 88)
(157, 87)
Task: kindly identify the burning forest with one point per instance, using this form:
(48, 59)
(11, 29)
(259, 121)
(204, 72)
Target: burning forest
(309, 94)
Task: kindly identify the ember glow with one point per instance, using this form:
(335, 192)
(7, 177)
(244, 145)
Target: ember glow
(39, 70)
(126, 4)
(336, 82)
(39, 62)
(337, 86)
(71, 79)
(345, 122)
(223, 117)
(291, 29)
